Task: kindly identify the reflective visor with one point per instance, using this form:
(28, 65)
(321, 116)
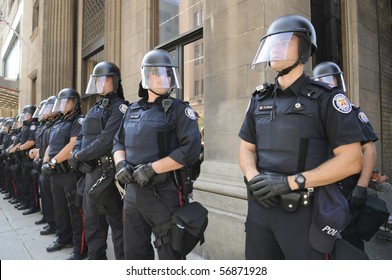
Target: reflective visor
(96, 85)
(37, 114)
(274, 48)
(333, 80)
(59, 105)
(160, 78)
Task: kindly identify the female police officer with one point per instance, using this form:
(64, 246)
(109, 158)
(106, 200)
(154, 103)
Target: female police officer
(158, 134)
(67, 205)
(288, 128)
(92, 155)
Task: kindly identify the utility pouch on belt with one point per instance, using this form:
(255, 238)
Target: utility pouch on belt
(188, 224)
(184, 176)
(290, 201)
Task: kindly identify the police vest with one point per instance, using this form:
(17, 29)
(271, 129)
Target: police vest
(290, 134)
(150, 134)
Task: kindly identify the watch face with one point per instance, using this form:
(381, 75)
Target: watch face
(53, 161)
(300, 179)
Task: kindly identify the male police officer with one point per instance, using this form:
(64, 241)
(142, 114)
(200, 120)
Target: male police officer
(355, 186)
(29, 187)
(288, 128)
(158, 134)
(92, 155)
(67, 205)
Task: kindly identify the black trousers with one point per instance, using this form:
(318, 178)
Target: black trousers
(144, 210)
(96, 225)
(29, 187)
(68, 212)
(275, 234)
(47, 200)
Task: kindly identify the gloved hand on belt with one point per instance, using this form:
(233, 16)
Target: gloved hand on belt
(267, 187)
(358, 196)
(124, 172)
(143, 174)
(46, 169)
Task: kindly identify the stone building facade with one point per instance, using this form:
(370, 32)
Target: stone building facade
(213, 43)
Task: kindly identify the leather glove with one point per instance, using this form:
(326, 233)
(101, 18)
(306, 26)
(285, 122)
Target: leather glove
(124, 172)
(143, 174)
(267, 203)
(46, 169)
(266, 186)
(358, 196)
(86, 167)
(37, 163)
(73, 161)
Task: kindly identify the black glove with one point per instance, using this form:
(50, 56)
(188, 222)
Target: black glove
(143, 174)
(37, 163)
(358, 196)
(86, 167)
(124, 172)
(46, 169)
(73, 161)
(266, 186)
(267, 203)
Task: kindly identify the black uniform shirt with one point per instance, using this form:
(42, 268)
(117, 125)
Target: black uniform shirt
(366, 127)
(294, 129)
(62, 132)
(28, 131)
(146, 135)
(99, 127)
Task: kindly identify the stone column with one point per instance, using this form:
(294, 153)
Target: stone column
(57, 46)
(113, 32)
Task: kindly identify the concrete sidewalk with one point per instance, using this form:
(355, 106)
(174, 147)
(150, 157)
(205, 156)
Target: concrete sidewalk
(20, 238)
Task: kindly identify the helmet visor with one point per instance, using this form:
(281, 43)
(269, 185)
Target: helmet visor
(96, 85)
(18, 122)
(46, 110)
(59, 105)
(333, 80)
(275, 47)
(160, 78)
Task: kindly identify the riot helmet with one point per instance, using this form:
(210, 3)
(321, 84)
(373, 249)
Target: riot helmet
(7, 124)
(27, 112)
(330, 73)
(159, 73)
(275, 45)
(2, 120)
(18, 122)
(46, 110)
(102, 70)
(37, 113)
(68, 101)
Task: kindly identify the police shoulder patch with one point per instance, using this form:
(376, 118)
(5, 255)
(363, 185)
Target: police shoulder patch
(123, 108)
(363, 118)
(190, 113)
(341, 103)
(80, 121)
(33, 127)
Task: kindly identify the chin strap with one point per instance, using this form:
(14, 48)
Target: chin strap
(166, 95)
(287, 70)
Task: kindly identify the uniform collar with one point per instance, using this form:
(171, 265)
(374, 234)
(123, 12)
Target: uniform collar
(296, 87)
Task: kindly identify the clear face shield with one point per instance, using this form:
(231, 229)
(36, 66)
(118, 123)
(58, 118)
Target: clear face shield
(276, 47)
(46, 111)
(102, 84)
(60, 105)
(333, 80)
(37, 113)
(160, 79)
(25, 117)
(18, 122)
(2, 127)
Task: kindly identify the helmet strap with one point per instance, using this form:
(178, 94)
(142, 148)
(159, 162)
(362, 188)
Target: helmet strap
(287, 70)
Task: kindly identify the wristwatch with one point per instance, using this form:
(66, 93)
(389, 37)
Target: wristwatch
(53, 162)
(300, 180)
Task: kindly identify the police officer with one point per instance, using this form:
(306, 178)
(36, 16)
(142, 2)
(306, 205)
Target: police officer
(355, 186)
(288, 128)
(6, 142)
(29, 187)
(49, 118)
(158, 134)
(92, 156)
(67, 204)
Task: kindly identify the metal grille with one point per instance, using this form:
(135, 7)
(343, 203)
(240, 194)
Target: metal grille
(93, 21)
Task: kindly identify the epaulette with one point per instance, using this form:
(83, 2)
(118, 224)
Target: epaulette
(314, 89)
(262, 90)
